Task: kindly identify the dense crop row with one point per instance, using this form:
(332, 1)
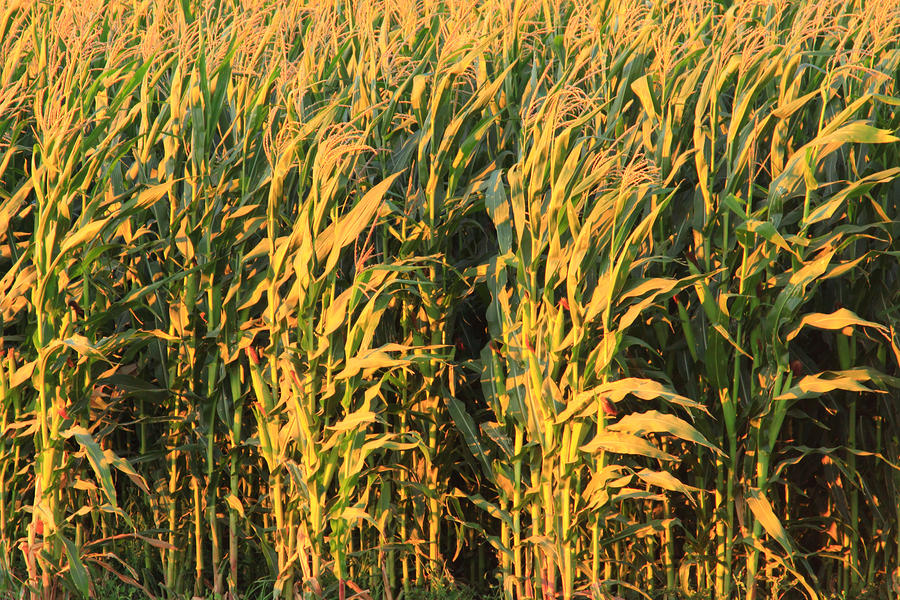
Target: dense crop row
(558, 299)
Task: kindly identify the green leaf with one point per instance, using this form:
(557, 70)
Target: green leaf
(97, 459)
(101, 461)
(767, 230)
(80, 575)
(81, 345)
(499, 437)
(498, 208)
(466, 427)
(491, 509)
(853, 190)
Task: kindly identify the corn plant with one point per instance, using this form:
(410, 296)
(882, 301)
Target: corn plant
(568, 299)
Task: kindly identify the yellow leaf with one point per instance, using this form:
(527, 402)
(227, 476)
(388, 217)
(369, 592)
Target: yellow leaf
(764, 514)
(839, 319)
(83, 234)
(624, 443)
(151, 196)
(234, 503)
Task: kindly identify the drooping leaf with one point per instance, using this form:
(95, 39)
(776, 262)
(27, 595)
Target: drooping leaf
(667, 481)
(656, 422)
(624, 443)
(80, 575)
(838, 319)
(469, 431)
(828, 381)
(763, 512)
(491, 509)
(645, 389)
(97, 459)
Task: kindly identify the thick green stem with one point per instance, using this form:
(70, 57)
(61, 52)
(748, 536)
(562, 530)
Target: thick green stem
(517, 511)
(198, 535)
(234, 477)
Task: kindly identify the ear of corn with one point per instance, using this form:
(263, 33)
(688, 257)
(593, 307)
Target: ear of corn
(592, 299)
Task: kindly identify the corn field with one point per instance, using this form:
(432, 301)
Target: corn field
(555, 300)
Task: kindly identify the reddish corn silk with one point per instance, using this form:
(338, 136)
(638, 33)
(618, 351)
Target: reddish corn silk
(252, 355)
(608, 409)
(74, 306)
